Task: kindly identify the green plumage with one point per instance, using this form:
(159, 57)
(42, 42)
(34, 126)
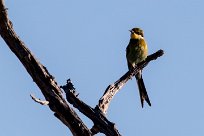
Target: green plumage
(136, 52)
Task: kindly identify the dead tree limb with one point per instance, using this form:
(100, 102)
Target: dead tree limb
(49, 87)
(41, 77)
(52, 92)
(97, 114)
(112, 89)
(101, 123)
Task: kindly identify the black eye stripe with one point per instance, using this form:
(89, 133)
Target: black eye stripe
(138, 31)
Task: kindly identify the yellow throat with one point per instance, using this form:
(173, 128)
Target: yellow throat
(135, 36)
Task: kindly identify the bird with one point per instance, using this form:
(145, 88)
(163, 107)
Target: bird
(136, 52)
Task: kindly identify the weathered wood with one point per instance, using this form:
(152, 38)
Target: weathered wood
(112, 89)
(41, 77)
(101, 123)
(53, 94)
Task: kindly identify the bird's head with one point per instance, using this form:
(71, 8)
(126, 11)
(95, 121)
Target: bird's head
(136, 33)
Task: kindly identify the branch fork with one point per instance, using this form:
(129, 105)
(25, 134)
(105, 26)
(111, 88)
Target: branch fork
(52, 92)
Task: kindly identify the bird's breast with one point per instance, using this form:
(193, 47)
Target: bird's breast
(137, 51)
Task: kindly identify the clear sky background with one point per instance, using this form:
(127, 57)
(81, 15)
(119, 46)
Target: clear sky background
(86, 41)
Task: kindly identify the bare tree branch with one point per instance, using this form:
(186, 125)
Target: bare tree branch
(41, 77)
(53, 94)
(97, 115)
(101, 123)
(112, 89)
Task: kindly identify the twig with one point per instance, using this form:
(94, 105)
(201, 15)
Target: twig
(39, 101)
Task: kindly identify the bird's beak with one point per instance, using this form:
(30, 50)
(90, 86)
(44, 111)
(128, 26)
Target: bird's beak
(131, 31)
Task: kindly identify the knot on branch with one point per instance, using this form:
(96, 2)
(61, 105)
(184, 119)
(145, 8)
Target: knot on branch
(69, 88)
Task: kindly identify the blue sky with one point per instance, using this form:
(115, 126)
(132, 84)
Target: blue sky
(86, 41)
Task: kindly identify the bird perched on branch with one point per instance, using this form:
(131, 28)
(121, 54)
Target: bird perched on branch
(136, 52)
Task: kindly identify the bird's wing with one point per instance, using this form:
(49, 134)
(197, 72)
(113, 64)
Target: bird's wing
(127, 52)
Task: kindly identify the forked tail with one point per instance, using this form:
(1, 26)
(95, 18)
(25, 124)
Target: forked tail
(142, 91)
